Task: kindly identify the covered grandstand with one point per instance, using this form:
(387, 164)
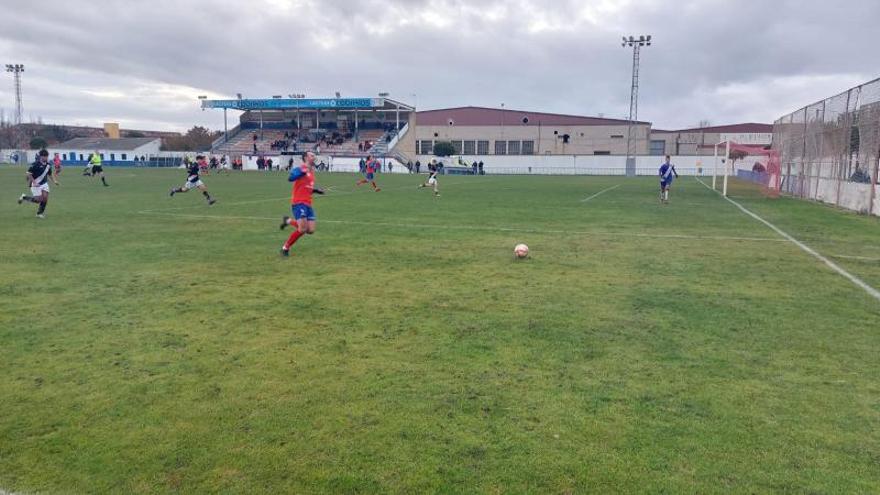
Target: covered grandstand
(337, 126)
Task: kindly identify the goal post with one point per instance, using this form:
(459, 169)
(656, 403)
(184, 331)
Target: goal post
(749, 163)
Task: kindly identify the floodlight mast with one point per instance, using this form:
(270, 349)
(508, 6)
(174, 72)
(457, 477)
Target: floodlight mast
(631, 140)
(16, 70)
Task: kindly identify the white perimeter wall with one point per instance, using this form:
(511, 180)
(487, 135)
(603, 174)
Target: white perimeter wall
(336, 163)
(581, 164)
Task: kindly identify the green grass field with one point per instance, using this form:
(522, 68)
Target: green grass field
(157, 345)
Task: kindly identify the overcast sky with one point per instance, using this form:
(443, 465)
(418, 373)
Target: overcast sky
(143, 63)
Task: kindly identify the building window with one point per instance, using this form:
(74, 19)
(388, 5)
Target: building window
(601, 152)
(112, 157)
(513, 147)
(528, 148)
(427, 147)
(124, 156)
(470, 147)
(80, 157)
(500, 147)
(482, 147)
(64, 156)
(456, 145)
(658, 147)
(614, 136)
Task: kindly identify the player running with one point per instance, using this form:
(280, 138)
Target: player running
(432, 179)
(303, 178)
(194, 181)
(56, 163)
(38, 176)
(667, 173)
(97, 168)
(369, 173)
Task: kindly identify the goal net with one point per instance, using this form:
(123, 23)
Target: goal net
(754, 168)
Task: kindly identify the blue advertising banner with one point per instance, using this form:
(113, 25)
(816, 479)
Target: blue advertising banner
(290, 103)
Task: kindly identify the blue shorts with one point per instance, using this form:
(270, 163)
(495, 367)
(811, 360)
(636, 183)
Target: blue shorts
(369, 176)
(301, 210)
(665, 183)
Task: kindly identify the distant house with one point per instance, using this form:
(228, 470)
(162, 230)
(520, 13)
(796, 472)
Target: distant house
(111, 150)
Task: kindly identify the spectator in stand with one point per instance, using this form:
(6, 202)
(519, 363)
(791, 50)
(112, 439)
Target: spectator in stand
(390, 167)
(418, 166)
(261, 163)
(361, 147)
(409, 166)
(289, 165)
(362, 165)
(143, 159)
(474, 167)
(480, 167)
(269, 165)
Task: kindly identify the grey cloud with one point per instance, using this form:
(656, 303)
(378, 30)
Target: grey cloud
(721, 60)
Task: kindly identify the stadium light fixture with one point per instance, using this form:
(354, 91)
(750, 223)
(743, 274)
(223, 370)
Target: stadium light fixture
(276, 97)
(636, 43)
(238, 95)
(16, 70)
(338, 94)
(202, 97)
(384, 95)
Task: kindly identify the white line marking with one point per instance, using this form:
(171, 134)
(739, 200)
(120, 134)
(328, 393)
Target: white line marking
(849, 257)
(834, 266)
(479, 228)
(603, 191)
(270, 200)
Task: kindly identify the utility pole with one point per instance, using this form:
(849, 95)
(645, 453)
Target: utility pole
(631, 139)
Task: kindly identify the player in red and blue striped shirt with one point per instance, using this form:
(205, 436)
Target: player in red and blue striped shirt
(369, 173)
(303, 178)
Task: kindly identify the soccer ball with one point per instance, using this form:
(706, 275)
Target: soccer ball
(521, 251)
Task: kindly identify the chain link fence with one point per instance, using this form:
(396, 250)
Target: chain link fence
(829, 150)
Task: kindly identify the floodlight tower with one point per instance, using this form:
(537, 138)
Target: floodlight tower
(636, 43)
(16, 70)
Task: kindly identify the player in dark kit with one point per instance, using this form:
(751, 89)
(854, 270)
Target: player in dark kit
(303, 178)
(432, 179)
(194, 181)
(38, 176)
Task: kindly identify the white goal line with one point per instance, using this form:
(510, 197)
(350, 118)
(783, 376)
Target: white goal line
(834, 266)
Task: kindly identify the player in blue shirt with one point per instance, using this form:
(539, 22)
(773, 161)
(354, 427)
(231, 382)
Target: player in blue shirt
(667, 174)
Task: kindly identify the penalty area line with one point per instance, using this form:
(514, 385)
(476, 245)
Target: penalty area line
(603, 191)
(333, 193)
(807, 249)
